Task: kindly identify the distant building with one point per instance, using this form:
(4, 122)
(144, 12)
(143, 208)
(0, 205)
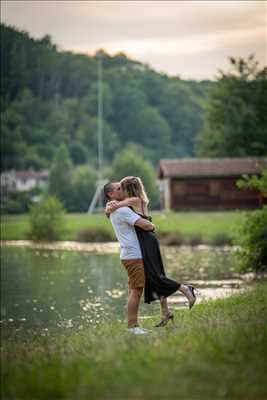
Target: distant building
(207, 184)
(19, 181)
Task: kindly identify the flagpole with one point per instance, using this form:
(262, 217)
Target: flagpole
(100, 180)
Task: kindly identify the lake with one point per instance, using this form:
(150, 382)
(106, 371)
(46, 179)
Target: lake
(46, 290)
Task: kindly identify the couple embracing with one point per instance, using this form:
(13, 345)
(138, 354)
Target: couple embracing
(127, 208)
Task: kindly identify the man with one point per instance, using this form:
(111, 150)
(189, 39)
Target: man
(123, 221)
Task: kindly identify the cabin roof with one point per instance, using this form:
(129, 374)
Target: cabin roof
(210, 167)
(27, 174)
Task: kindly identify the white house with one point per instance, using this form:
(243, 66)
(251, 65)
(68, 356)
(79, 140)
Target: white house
(20, 181)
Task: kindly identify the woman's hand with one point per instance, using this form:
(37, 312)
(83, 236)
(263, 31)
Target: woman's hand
(145, 224)
(111, 206)
(113, 203)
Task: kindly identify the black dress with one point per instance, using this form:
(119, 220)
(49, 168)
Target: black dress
(157, 284)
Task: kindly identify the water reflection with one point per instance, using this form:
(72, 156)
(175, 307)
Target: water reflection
(60, 289)
(202, 262)
(52, 288)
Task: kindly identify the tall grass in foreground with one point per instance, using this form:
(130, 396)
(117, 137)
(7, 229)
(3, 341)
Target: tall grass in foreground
(216, 351)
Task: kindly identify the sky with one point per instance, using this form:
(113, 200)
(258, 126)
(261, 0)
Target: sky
(190, 39)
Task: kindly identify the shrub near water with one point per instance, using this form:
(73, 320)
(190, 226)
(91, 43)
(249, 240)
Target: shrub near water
(91, 235)
(47, 220)
(252, 255)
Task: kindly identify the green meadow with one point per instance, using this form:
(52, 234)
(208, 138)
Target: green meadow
(199, 227)
(215, 351)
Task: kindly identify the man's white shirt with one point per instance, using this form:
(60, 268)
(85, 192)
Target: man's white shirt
(123, 220)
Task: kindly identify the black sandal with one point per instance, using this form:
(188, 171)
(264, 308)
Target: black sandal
(165, 321)
(192, 290)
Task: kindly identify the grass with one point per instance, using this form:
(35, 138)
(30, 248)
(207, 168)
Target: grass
(198, 227)
(216, 351)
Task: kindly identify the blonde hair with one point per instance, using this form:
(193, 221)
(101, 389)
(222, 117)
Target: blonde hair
(133, 186)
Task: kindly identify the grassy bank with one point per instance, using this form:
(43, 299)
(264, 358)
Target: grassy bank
(216, 351)
(173, 228)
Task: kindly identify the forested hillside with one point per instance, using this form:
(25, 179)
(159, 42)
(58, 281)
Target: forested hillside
(49, 97)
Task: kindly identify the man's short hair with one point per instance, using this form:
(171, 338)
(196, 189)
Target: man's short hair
(108, 188)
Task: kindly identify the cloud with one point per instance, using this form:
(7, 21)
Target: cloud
(187, 44)
(148, 30)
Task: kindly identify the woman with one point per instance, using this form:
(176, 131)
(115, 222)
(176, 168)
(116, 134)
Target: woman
(157, 286)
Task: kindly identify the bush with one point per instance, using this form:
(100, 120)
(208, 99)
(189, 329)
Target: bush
(221, 239)
(81, 190)
(252, 254)
(194, 239)
(254, 182)
(171, 239)
(46, 220)
(91, 235)
(16, 203)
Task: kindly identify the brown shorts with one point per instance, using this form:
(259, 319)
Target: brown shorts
(136, 273)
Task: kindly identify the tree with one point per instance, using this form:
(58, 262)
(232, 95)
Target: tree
(49, 97)
(254, 182)
(153, 131)
(90, 102)
(78, 152)
(129, 102)
(82, 188)
(61, 174)
(131, 163)
(235, 122)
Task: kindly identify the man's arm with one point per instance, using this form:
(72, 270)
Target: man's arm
(144, 224)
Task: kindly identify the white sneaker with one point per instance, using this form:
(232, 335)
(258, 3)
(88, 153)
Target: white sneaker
(137, 330)
(144, 329)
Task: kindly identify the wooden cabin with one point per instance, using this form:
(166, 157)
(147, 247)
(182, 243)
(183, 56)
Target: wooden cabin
(207, 183)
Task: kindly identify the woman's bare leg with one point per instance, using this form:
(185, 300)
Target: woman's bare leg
(164, 307)
(187, 293)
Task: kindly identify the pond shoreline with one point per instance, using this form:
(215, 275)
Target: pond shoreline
(93, 248)
(113, 248)
(97, 247)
